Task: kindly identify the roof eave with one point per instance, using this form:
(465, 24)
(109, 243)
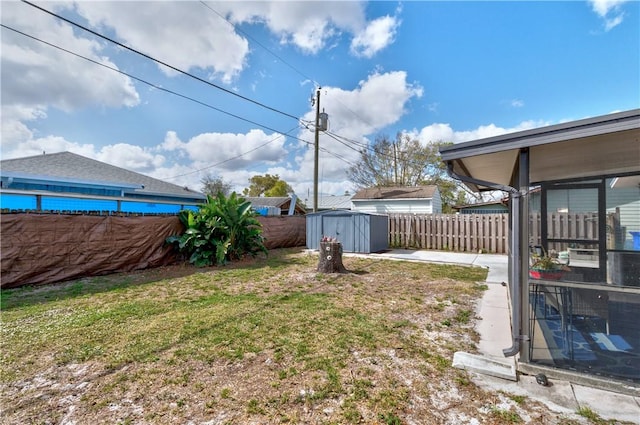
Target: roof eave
(34, 178)
(610, 123)
(187, 195)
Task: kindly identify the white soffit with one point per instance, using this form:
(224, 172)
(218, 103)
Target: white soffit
(606, 154)
(495, 167)
(605, 145)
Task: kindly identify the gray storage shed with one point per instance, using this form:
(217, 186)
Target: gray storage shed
(357, 231)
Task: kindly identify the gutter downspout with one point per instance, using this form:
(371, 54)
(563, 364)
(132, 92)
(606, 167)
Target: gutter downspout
(514, 247)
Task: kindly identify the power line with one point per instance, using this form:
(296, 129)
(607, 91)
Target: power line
(361, 145)
(364, 146)
(167, 90)
(155, 86)
(341, 142)
(204, 3)
(335, 155)
(163, 89)
(104, 37)
(235, 27)
(252, 150)
(175, 94)
(355, 114)
(235, 157)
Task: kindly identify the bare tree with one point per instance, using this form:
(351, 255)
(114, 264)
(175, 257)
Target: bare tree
(406, 162)
(400, 162)
(212, 185)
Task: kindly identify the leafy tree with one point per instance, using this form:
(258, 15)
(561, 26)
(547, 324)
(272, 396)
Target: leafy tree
(406, 162)
(223, 229)
(267, 185)
(212, 185)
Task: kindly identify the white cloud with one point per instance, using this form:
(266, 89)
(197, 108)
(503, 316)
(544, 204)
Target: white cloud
(517, 103)
(610, 11)
(203, 151)
(444, 132)
(172, 142)
(48, 144)
(230, 151)
(186, 35)
(379, 34)
(131, 157)
(377, 102)
(35, 75)
(307, 25)
(311, 26)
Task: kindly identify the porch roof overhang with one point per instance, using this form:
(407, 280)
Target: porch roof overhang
(604, 145)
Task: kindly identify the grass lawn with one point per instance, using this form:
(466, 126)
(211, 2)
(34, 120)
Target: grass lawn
(268, 340)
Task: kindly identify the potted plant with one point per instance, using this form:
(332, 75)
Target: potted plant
(547, 267)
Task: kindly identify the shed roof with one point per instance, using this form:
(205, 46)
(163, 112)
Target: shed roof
(76, 169)
(604, 145)
(396, 192)
(345, 213)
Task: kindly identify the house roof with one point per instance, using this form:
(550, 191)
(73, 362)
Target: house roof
(340, 202)
(282, 202)
(268, 201)
(396, 192)
(604, 145)
(71, 168)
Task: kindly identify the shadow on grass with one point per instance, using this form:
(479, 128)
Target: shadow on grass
(359, 272)
(40, 294)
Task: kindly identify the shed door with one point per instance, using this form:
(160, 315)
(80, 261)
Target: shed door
(339, 227)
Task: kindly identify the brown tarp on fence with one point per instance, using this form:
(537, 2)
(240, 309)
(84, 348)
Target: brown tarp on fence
(39, 249)
(46, 248)
(284, 231)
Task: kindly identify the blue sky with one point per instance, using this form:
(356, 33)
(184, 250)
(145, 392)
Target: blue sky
(452, 71)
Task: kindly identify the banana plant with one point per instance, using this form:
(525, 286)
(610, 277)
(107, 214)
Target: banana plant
(222, 229)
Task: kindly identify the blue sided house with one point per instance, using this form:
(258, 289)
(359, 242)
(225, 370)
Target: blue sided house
(68, 182)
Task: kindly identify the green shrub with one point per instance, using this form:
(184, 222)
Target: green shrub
(223, 229)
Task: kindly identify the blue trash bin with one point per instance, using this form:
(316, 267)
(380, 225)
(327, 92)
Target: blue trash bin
(636, 240)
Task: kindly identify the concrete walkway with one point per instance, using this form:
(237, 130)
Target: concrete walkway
(495, 334)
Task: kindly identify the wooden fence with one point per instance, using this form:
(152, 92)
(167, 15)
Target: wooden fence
(46, 248)
(490, 232)
(575, 226)
(455, 232)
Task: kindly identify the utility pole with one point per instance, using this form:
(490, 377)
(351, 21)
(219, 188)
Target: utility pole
(316, 150)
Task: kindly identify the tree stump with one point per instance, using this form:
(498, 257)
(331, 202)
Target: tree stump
(331, 258)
